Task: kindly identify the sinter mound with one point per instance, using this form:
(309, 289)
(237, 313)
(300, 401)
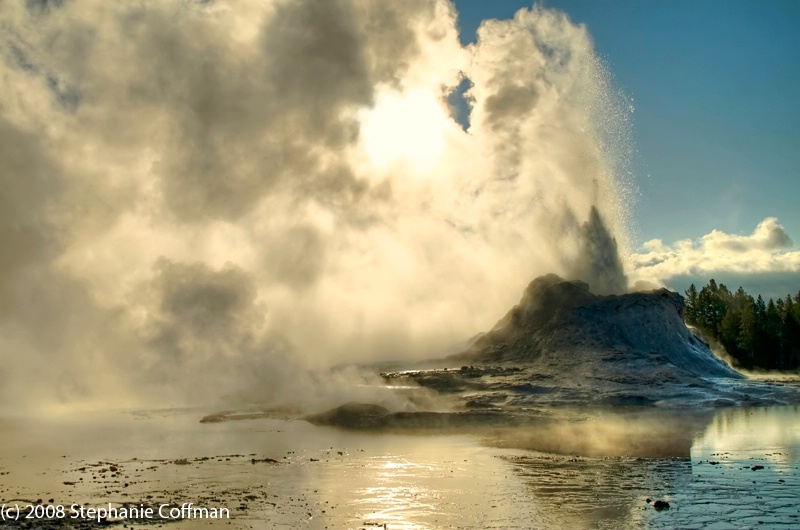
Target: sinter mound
(561, 325)
(563, 352)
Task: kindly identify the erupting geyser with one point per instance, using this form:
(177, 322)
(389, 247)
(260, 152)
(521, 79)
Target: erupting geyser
(239, 197)
(598, 261)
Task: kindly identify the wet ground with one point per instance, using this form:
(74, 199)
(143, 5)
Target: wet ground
(510, 388)
(739, 470)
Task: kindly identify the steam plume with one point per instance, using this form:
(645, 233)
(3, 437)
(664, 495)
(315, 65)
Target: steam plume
(599, 261)
(191, 210)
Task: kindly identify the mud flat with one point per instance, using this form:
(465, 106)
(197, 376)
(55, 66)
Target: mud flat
(269, 473)
(739, 470)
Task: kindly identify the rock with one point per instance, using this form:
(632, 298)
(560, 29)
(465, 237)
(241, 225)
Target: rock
(263, 460)
(756, 468)
(352, 416)
(661, 505)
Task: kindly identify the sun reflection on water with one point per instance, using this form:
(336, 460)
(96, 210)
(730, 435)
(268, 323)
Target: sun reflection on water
(401, 501)
(429, 482)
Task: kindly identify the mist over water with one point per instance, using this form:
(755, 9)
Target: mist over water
(205, 202)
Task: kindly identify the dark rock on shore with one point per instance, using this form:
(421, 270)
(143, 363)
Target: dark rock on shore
(661, 505)
(352, 416)
(364, 416)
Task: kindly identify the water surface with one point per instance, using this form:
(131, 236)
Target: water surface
(289, 474)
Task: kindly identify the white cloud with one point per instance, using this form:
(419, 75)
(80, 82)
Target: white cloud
(769, 249)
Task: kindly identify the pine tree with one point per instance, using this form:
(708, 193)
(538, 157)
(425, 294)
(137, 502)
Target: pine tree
(791, 333)
(797, 305)
(732, 321)
(712, 306)
(772, 333)
(747, 333)
(761, 355)
(757, 334)
(729, 332)
(690, 309)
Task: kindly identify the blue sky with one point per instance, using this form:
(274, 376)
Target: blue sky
(716, 87)
(716, 90)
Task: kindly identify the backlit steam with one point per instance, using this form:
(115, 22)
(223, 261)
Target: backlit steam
(208, 199)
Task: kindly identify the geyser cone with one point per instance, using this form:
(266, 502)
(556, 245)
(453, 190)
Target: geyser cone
(571, 334)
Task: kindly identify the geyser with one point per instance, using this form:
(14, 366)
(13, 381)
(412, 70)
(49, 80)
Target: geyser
(194, 205)
(598, 261)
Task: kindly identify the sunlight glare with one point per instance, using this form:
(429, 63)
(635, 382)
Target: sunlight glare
(407, 126)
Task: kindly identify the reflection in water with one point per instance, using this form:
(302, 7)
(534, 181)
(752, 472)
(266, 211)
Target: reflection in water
(650, 434)
(742, 473)
(427, 482)
(395, 497)
(776, 428)
(600, 492)
(328, 478)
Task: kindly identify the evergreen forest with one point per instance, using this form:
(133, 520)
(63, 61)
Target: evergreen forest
(755, 333)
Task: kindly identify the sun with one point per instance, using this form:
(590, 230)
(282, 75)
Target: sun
(406, 126)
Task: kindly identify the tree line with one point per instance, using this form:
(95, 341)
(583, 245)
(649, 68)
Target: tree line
(756, 334)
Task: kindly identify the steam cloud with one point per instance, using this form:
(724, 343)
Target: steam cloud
(190, 209)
